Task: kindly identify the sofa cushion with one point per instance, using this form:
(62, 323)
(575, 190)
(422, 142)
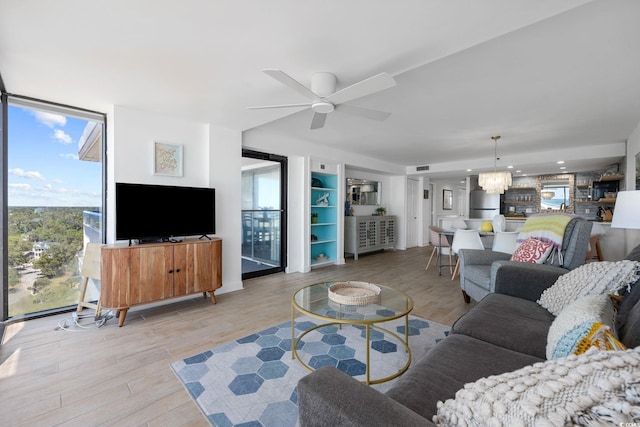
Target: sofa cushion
(445, 369)
(598, 388)
(576, 327)
(634, 255)
(589, 279)
(629, 319)
(514, 323)
(479, 275)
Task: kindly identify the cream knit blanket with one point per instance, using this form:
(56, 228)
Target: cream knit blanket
(594, 278)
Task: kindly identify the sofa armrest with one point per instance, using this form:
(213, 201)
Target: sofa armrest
(523, 279)
(329, 397)
(479, 256)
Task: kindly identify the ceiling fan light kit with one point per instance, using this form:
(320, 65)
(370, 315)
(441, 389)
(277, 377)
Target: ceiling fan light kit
(324, 98)
(322, 107)
(495, 182)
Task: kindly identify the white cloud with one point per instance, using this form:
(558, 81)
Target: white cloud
(69, 156)
(57, 181)
(23, 187)
(61, 136)
(50, 119)
(26, 174)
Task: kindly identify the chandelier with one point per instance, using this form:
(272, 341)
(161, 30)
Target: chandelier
(494, 182)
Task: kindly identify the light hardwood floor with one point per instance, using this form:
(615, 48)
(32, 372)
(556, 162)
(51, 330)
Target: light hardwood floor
(121, 376)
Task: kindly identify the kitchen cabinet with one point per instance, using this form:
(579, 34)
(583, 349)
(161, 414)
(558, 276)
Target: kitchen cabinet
(146, 273)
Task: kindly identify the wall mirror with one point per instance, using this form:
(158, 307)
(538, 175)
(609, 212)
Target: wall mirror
(555, 193)
(363, 191)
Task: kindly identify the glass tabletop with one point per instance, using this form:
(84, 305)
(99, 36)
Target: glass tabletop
(314, 301)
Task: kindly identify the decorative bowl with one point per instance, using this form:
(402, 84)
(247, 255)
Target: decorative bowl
(354, 293)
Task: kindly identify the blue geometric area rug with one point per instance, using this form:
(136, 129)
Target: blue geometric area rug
(253, 381)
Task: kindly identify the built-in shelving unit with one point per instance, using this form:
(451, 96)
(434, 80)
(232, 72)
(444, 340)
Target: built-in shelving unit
(611, 177)
(324, 218)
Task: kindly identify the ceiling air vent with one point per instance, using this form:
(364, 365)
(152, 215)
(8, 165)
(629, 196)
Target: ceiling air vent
(422, 168)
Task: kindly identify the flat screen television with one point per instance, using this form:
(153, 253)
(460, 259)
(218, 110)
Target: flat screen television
(160, 213)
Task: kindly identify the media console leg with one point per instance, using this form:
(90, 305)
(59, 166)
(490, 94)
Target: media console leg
(213, 297)
(122, 315)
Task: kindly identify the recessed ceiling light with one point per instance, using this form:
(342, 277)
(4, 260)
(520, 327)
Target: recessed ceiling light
(518, 171)
(560, 162)
(509, 167)
(565, 171)
(563, 167)
(469, 170)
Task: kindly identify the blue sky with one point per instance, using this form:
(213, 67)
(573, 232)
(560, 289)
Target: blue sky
(44, 169)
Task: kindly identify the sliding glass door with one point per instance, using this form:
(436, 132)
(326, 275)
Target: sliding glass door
(263, 214)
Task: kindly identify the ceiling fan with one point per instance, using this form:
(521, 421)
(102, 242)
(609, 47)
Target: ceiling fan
(324, 99)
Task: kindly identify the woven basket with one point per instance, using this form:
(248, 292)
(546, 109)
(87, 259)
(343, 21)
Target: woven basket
(354, 293)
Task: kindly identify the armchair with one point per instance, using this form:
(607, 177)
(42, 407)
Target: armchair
(485, 272)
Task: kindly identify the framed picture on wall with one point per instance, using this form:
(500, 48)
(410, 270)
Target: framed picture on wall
(447, 199)
(167, 159)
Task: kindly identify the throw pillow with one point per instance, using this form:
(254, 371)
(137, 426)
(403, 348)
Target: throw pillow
(586, 322)
(574, 390)
(589, 279)
(532, 250)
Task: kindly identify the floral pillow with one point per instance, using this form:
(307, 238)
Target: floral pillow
(533, 251)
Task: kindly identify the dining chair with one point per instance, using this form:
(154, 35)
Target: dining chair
(464, 239)
(505, 241)
(594, 249)
(440, 243)
(499, 223)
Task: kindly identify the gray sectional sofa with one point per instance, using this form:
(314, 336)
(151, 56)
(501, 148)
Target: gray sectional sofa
(505, 331)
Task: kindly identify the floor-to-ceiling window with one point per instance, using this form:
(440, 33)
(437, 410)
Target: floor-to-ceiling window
(263, 214)
(53, 183)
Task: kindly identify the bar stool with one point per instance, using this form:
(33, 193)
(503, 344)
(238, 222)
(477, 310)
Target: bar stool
(439, 243)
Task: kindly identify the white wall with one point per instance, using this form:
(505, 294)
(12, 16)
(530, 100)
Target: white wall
(633, 148)
(224, 174)
(297, 250)
(398, 194)
(212, 158)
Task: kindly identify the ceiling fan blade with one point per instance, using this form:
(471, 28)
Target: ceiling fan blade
(363, 112)
(318, 120)
(366, 87)
(292, 83)
(278, 106)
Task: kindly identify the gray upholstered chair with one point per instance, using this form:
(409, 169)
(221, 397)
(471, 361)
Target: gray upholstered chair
(482, 271)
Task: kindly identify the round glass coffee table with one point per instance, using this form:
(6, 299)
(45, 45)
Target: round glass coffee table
(313, 301)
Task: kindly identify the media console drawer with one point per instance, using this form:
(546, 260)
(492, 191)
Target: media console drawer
(151, 272)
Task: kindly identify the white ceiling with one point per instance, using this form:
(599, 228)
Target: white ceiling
(547, 75)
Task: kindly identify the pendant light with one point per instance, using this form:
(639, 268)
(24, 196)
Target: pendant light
(547, 194)
(495, 182)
